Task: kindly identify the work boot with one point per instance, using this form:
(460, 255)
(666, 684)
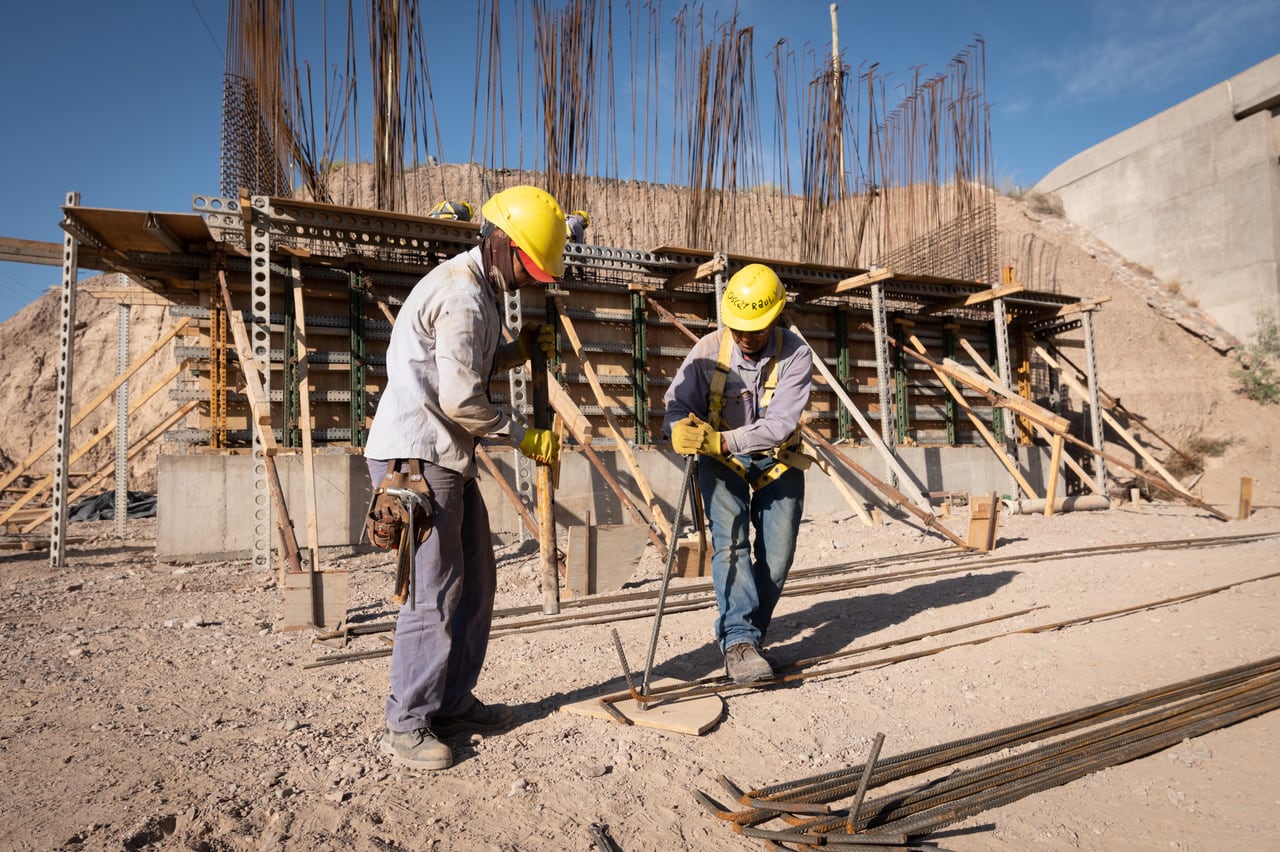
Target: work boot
(744, 663)
(478, 718)
(416, 749)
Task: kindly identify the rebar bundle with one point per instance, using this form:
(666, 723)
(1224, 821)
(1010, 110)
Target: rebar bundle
(1038, 755)
(911, 191)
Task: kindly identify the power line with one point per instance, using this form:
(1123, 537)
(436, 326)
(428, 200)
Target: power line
(212, 38)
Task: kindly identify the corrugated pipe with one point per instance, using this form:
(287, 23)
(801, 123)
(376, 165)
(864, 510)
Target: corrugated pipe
(1083, 503)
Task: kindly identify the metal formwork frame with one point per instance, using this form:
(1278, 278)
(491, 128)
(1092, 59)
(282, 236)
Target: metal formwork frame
(290, 393)
(901, 403)
(879, 318)
(639, 366)
(1000, 339)
(359, 374)
(260, 340)
(844, 374)
(518, 381)
(122, 416)
(1095, 403)
(66, 364)
(949, 405)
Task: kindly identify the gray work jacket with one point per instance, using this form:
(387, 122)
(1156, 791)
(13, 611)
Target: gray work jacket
(439, 362)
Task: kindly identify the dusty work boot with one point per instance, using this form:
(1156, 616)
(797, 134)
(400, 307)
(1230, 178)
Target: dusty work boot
(416, 749)
(479, 718)
(744, 663)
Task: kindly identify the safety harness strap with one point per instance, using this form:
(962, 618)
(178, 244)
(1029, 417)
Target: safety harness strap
(785, 456)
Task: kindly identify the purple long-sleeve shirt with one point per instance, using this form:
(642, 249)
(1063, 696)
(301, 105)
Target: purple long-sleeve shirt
(744, 427)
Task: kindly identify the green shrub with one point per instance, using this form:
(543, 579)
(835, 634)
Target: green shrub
(1191, 458)
(1046, 204)
(1259, 370)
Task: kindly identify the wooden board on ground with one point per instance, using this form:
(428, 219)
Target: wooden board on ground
(307, 593)
(693, 557)
(694, 716)
(602, 557)
(984, 519)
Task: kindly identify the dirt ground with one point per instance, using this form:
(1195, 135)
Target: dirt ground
(157, 706)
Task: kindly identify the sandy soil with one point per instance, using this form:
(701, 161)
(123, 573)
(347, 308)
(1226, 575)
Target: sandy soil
(150, 705)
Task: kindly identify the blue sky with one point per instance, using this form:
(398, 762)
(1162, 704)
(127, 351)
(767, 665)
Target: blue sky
(122, 101)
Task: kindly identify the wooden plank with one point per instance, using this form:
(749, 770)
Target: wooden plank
(904, 478)
(1055, 459)
(257, 401)
(1141, 474)
(999, 394)
(1125, 434)
(624, 448)
(615, 552)
(1246, 498)
(304, 592)
(1078, 307)
(840, 485)
(978, 298)
(692, 716)
(577, 573)
(569, 414)
(710, 267)
(103, 396)
(110, 428)
(578, 424)
(1009, 464)
(894, 495)
(1041, 431)
(984, 514)
(108, 468)
(848, 285)
(304, 404)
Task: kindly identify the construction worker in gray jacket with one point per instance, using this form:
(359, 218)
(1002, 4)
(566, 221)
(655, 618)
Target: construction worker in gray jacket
(736, 402)
(445, 346)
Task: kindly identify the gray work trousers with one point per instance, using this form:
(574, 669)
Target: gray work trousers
(440, 646)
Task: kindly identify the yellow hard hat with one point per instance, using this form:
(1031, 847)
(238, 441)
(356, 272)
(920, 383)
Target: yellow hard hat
(753, 298)
(457, 210)
(535, 223)
(582, 214)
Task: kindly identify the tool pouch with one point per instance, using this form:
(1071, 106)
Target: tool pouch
(387, 523)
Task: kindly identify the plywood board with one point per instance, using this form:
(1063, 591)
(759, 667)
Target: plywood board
(693, 716)
(615, 552)
(300, 595)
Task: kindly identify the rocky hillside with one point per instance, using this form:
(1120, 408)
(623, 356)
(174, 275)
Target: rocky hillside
(1162, 357)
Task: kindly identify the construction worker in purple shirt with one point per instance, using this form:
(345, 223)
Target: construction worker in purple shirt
(576, 224)
(445, 346)
(458, 211)
(736, 402)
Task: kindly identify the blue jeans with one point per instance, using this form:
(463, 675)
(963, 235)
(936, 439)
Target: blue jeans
(748, 573)
(440, 646)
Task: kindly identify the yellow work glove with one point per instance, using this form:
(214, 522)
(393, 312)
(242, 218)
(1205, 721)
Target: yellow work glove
(541, 445)
(538, 334)
(691, 435)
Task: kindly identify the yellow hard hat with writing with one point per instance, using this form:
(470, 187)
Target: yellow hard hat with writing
(753, 298)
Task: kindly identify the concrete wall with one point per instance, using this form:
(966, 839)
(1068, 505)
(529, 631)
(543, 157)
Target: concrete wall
(205, 500)
(1193, 193)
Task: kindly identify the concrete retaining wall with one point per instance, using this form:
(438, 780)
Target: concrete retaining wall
(205, 500)
(1193, 193)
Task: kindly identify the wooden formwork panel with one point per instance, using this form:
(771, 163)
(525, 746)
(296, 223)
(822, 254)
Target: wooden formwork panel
(601, 311)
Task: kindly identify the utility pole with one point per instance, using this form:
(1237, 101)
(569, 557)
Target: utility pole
(836, 76)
